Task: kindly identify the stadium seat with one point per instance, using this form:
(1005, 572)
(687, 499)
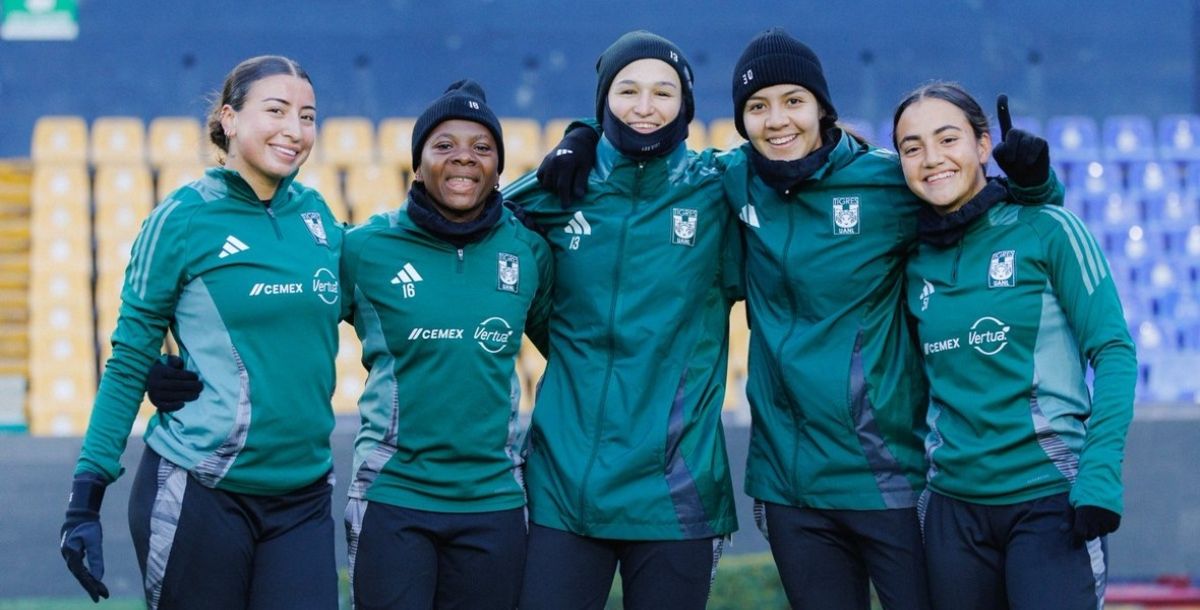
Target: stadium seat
(1112, 209)
(59, 139)
(351, 376)
(1128, 138)
(1153, 179)
(371, 189)
(1174, 209)
(522, 146)
(118, 140)
(346, 141)
(1073, 139)
(530, 367)
(175, 140)
(1179, 137)
(123, 199)
(324, 178)
(697, 139)
(553, 132)
(395, 143)
(174, 175)
(723, 135)
(1096, 179)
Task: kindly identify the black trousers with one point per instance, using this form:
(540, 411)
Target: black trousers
(1016, 556)
(402, 559)
(566, 570)
(828, 558)
(206, 548)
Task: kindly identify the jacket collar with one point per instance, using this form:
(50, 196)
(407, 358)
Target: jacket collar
(609, 159)
(237, 186)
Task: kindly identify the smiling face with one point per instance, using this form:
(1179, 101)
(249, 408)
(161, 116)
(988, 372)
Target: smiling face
(646, 95)
(942, 158)
(783, 122)
(273, 133)
(458, 168)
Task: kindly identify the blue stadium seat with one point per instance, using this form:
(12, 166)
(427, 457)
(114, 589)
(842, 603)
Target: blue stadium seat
(1179, 137)
(1095, 178)
(1153, 178)
(1172, 210)
(1073, 139)
(884, 133)
(1112, 209)
(1128, 138)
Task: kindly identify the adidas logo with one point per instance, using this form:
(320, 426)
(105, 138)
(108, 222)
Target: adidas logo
(926, 292)
(407, 275)
(578, 225)
(232, 245)
(749, 216)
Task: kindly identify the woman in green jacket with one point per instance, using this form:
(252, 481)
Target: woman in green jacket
(1012, 304)
(627, 461)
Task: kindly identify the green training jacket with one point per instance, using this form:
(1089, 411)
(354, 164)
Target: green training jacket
(251, 294)
(626, 440)
(1009, 319)
(441, 327)
(835, 383)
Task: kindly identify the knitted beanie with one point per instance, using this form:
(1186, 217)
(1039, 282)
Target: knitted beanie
(636, 45)
(463, 100)
(775, 58)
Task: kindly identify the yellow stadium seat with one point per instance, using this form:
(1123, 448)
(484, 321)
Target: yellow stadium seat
(324, 178)
(522, 145)
(697, 136)
(739, 357)
(347, 141)
(59, 139)
(351, 376)
(395, 143)
(553, 133)
(175, 140)
(722, 134)
(118, 140)
(371, 189)
(174, 175)
(124, 197)
(62, 358)
(530, 367)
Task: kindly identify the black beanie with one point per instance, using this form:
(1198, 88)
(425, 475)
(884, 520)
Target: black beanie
(635, 45)
(462, 100)
(775, 58)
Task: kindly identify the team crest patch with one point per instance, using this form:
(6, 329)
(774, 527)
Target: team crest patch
(845, 216)
(683, 226)
(312, 220)
(508, 277)
(1002, 272)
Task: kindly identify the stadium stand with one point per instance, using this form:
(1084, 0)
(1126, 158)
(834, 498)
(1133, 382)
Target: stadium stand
(1138, 190)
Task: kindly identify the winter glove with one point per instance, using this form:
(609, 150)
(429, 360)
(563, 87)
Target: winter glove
(169, 385)
(1024, 157)
(564, 170)
(81, 536)
(1091, 522)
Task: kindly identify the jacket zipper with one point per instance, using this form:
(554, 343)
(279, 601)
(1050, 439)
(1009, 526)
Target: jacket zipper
(789, 288)
(612, 314)
(459, 268)
(957, 258)
(274, 222)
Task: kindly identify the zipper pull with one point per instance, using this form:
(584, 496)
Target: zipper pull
(460, 255)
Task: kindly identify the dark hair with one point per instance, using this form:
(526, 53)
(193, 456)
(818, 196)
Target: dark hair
(946, 91)
(237, 85)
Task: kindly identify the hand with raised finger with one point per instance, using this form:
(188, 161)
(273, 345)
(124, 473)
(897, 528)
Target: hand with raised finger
(1024, 157)
(1091, 522)
(169, 385)
(81, 537)
(564, 170)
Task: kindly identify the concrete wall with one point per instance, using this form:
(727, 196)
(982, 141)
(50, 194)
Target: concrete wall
(1159, 534)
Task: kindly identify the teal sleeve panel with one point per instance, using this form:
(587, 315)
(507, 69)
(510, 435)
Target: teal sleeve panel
(1049, 193)
(152, 284)
(1085, 289)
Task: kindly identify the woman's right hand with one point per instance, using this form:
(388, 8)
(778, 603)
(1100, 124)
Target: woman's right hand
(564, 170)
(169, 385)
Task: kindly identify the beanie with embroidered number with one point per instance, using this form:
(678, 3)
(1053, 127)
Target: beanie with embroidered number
(635, 45)
(775, 58)
(464, 100)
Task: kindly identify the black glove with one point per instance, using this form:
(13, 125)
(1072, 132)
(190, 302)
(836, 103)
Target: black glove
(1091, 522)
(169, 385)
(1024, 157)
(564, 170)
(526, 218)
(81, 536)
